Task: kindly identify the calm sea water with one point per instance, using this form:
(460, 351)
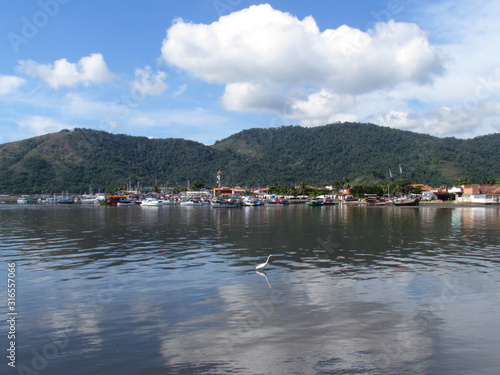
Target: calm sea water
(352, 290)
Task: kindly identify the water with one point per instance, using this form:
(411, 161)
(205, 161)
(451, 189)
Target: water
(352, 290)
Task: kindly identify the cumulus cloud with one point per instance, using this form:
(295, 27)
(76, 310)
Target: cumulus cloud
(461, 121)
(89, 70)
(148, 82)
(270, 60)
(10, 84)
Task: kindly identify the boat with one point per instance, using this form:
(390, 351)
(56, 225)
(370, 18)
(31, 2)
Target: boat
(275, 202)
(151, 202)
(169, 202)
(23, 199)
(102, 200)
(191, 202)
(248, 201)
(316, 203)
(407, 201)
(124, 202)
(113, 200)
(46, 200)
(88, 199)
(224, 203)
(375, 201)
(65, 200)
(329, 202)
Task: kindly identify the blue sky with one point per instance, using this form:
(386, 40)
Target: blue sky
(208, 69)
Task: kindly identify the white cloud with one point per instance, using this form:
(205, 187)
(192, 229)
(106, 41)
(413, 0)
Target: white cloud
(149, 83)
(39, 125)
(271, 61)
(464, 122)
(89, 70)
(10, 84)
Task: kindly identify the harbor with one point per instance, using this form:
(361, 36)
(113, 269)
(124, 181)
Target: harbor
(466, 195)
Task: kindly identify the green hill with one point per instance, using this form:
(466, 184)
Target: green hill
(73, 160)
(364, 152)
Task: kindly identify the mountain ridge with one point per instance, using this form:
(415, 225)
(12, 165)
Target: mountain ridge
(320, 155)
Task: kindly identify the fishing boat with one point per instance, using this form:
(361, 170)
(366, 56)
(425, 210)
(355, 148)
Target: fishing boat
(249, 201)
(224, 203)
(274, 202)
(102, 200)
(65, 200)
(407, 201)
(113, 200)
(124, 202)
(329, 202)
(316, 203)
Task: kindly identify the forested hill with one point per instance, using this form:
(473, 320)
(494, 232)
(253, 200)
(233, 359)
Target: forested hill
(364, 152)
(74, 160)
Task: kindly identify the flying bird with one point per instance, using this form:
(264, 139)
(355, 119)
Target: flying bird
(261, 266)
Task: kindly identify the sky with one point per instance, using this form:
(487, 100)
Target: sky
(203, 70)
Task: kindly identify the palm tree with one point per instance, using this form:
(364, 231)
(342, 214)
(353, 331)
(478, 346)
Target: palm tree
(346, 183)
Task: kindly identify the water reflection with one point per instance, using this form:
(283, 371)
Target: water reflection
(353, 290)
(263, 274)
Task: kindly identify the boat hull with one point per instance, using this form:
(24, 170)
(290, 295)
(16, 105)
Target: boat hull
(407, 202)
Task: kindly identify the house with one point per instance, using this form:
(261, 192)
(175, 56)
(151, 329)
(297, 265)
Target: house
(476, 193)
(229, 192)
(205, 193)
(428, 192)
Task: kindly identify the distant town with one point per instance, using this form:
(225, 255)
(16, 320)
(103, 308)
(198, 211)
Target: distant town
(410, 194)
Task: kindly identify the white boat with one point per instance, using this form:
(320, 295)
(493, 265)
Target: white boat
(248, 201)
(88, 199)
(151, 202)
(23, 199)
(194, 202)
(47, 200)
(169, 202)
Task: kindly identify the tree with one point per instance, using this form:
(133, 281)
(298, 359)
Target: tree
(275, 189)
(197, 185)
(465, 181)
(489, 180)
(402, 186)
(346, 183)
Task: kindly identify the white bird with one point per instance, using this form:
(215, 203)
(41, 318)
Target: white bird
(261, 266)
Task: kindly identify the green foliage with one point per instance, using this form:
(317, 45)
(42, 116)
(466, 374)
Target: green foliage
(197, 185)
(465, 181)
(342, 155)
